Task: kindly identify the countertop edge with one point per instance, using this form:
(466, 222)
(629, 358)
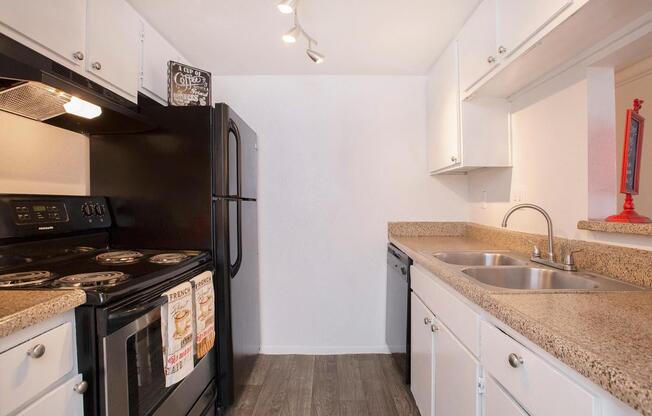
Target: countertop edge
(541, 335)
(62, 301)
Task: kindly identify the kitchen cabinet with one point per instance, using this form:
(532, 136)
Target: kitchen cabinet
(456, 375)
(518, 20)
(39, 370)
(113, 32)
(55, 28)
(421, 355)
(156, 52)
(477, 45)
(497, 401)
(463, 135)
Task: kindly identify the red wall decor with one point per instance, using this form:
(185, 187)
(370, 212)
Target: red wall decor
(630, 174)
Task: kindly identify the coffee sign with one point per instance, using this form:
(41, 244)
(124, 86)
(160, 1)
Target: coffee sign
(188, 86)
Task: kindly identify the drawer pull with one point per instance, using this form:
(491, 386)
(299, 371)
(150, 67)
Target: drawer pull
(36, 351)
(434, 328)
(515, 360)
(427, 321)
(81, 387)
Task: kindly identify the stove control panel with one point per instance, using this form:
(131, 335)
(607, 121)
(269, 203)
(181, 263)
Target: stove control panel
(38, 212)
(32, 215)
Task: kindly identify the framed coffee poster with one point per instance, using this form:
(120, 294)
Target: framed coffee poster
(188, 86)
(633, 146)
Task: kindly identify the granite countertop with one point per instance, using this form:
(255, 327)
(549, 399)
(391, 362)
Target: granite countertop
(22, 308)
(605, 336)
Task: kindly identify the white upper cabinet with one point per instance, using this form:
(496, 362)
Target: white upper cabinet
(519, 20)
(463, 135)
(477, 45)
(55, 28)
(156, 53)
(443, 112)
(113, 32)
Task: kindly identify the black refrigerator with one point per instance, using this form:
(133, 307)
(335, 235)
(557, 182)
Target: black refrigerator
(192, 184)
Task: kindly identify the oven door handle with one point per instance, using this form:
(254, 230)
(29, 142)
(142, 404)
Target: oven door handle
(131, 313)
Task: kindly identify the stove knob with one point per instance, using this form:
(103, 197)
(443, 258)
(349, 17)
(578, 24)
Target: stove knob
(99, 209)
(87, 210)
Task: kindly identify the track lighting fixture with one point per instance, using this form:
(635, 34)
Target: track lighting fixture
(286, 6)
(291, 6)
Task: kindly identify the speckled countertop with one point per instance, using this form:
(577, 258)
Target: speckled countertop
(605, 336)
(22, 308)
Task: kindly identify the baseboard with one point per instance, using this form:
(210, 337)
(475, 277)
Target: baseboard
(320, 350)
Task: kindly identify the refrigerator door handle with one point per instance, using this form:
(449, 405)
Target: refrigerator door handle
(235, 267)
(233, 128)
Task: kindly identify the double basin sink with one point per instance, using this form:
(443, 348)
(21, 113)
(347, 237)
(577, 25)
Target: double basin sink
(501, 270)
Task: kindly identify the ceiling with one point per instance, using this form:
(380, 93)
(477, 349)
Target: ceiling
(237, 37)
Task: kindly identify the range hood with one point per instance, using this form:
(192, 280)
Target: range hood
(34, 86)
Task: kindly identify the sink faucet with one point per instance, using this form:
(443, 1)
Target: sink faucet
(536, 255)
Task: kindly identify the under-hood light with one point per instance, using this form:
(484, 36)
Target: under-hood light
(82, 108)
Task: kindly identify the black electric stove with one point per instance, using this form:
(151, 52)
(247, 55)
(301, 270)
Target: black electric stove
(64, 242)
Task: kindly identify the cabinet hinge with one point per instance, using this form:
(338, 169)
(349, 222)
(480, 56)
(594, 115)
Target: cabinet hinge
(481, 386)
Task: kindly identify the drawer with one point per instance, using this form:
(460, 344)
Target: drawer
(61, 401)
(497, 402)
(24, 376)
(462, 321)
(539, 387)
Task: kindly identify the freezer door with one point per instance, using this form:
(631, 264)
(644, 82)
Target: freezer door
(236, 156)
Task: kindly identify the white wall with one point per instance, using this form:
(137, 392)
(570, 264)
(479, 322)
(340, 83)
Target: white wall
(36, 158)
(339, 157)
(551, 139)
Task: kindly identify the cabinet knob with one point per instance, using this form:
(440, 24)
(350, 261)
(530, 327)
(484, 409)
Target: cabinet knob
(515, 360)
(427, 321)
(434, 328)
(453, 159)
(96, 66)
(502, 50)
(79, 55)
(36, 351)
(80, 387)
(491, 59)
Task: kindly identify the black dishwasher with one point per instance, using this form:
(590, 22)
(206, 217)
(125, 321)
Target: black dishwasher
(397, 324)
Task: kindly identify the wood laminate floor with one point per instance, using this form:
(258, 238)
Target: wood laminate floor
(325, 385)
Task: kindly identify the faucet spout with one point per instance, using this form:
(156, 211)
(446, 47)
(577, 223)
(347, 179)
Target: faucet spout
(551, 253)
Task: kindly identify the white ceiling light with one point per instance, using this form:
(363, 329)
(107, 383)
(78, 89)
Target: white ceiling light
(82, 108)
(289, 6)
(286, 6)
(292, 35)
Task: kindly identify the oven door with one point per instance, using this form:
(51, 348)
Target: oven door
(131, 367)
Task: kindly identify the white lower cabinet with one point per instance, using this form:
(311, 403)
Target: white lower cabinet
(61, 401)
(497, 402)
(421, 356)
(456, 376)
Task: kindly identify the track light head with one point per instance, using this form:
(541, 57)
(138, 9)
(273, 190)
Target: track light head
(286, 6)
(292, 35)
(315, 56)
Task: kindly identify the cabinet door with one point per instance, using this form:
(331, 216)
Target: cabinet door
(519, 20)
(61, 401)
(113, 45)
(477, 45)
(156, 53)
(443, 111)
(421, 356)
(53, 27)
(456, 376)
(497, 402)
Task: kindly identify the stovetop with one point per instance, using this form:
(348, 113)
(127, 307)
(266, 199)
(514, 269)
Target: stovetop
(104, 274)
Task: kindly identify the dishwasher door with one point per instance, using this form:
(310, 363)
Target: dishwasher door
(397, 324)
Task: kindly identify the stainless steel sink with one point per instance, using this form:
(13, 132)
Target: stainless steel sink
(534, 278)
(477, 258)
